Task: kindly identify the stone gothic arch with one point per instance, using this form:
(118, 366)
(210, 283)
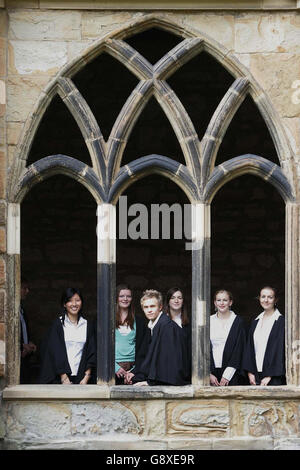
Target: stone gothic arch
(106, 177)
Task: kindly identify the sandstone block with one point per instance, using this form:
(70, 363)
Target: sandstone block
(278, 75)
(191, 444)
(44, 25)
(258, 33)
(2, 57)
(92, 419)
(2, 240)
(256, 419)
(13, 132)
(76, 48)
(2, 175)
(96, 23)
(199, 419)
(36, 421)
(217, 27)
(292, 128)
(22, 95)
(156, 418)
(29, 57)
(3, 23)
(245, 443)
(292, 443)
(2, 272)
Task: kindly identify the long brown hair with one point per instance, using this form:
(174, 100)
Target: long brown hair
(130, 316)
(184, 316)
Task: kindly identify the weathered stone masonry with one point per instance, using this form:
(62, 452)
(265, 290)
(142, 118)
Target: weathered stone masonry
(40, 50)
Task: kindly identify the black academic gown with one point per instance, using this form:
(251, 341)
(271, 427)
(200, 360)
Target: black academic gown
(165, 360)
(55, 359)
(233, 352)
(274, 359)
(187, 337)
(141, 342)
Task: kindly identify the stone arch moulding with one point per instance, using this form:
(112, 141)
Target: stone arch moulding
(199, 155)
(55, 165)
(150, 164)
(248, 164)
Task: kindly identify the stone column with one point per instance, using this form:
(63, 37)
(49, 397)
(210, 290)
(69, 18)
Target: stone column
(106, 265)
(200, 293)
(292, 294)
(13, 295)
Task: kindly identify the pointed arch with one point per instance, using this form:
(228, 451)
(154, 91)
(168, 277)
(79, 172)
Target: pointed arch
(109, 42)
(153, 164)
(251, 164)
(55, 165)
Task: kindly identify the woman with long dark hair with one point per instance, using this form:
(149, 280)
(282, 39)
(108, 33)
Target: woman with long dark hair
(69, 354)
(175, 308)
(129, 334)
(264, 358)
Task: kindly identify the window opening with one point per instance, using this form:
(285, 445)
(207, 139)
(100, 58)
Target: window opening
(153, 263)
(200, 85)
(58, 249)
(248, 242)
(153, 43)
(58, 133)
(247, 133)
(105, 84)
(152, 134)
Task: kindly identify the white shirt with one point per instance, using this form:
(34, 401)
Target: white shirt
(219, 331)
(261, 335)
(75, 338)
(124, 330)
(152, 324)
(177, 319)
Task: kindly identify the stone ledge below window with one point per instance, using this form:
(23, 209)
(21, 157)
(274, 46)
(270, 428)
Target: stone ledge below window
(100, 392)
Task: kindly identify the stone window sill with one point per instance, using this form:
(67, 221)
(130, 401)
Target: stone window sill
(100, 392)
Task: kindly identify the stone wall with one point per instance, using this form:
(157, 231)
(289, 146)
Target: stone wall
(158, 420)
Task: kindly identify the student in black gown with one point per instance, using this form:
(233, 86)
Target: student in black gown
(264, 357)
(69, 354)
(175, 308)
(227, 342)
(164, 363)
(129, 335)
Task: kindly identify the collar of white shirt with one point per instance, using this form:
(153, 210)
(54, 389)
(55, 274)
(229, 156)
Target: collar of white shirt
(274, 315)
(152, 324)
(69, 323)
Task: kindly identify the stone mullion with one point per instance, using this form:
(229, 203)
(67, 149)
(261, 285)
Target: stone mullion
(200, 293)
(87, 124)
(13, 296)
(130, 58)
(182, 125)
(219, 123)
(106, 272)
(123, 125)
(177, 57)
(292, 294)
